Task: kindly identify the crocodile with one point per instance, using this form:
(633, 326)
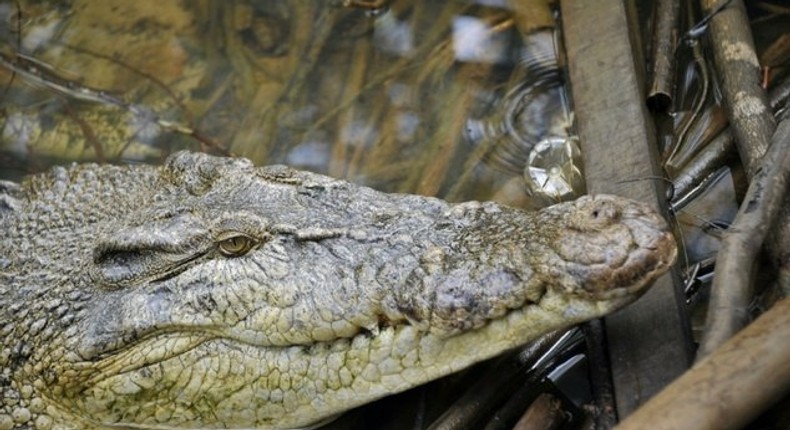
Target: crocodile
(209, 293)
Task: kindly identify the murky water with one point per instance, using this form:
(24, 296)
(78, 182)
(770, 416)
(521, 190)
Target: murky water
(442, 98)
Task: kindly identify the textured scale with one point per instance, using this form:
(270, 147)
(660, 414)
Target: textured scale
(208, 293)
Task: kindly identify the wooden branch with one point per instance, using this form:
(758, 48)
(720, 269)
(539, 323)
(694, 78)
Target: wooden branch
(717, 153)
(737, 257)
(544, 414)
(731, 386)
(736, 63)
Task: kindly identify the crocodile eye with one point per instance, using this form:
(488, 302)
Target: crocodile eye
(235, 246)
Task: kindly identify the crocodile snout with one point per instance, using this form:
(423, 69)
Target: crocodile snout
(612, 247)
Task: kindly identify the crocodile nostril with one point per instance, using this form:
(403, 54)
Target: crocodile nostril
(602, 214)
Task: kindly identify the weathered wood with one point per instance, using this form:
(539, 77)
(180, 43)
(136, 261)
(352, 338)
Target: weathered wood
(605, 415)
(544, 414)
(746, 103)
(648, 342)
(736, 261)
(730, 387)
(666, 29)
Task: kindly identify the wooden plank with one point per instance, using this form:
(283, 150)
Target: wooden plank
(648, 342)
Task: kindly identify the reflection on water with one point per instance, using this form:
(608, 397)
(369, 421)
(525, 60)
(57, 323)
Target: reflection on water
(442, 98)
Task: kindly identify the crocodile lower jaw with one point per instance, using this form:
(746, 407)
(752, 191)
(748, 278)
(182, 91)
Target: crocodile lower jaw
(322, 378)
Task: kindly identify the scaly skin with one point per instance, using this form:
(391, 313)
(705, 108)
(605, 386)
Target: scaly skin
(207, 293)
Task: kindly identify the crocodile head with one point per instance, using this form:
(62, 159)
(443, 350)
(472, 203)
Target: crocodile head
(208, 293)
